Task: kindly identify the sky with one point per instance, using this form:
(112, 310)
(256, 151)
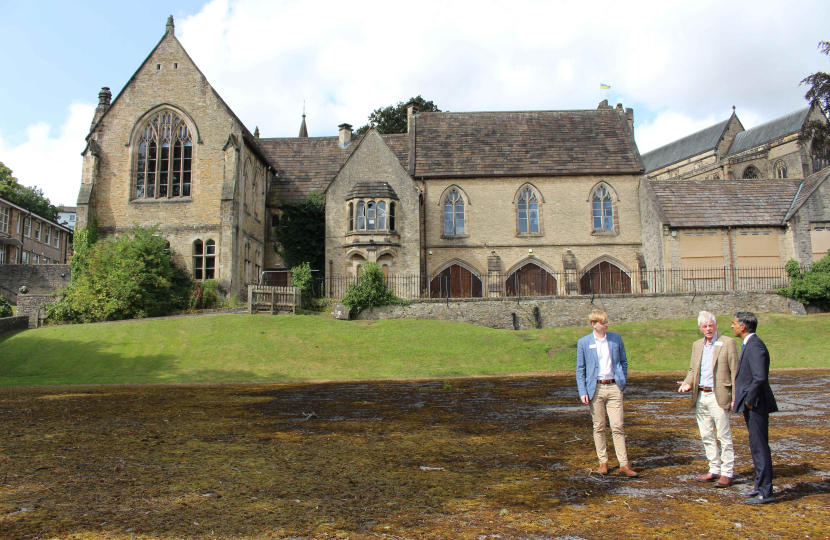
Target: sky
(681, 67)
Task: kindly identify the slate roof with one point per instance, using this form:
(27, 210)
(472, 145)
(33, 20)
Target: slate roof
(695, 203)
(807, 188)
(372, 189)
(691, 145)
(536, 143)
(769, 131)
(306, 164)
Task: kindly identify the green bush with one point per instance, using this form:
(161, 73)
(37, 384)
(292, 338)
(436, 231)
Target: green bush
(370, 290)
(5, 308)
(302, 279)
(812, 286)
(205, 295)
(128, 277)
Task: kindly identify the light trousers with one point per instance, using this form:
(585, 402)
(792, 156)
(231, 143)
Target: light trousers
(608, 398)
(710, 418)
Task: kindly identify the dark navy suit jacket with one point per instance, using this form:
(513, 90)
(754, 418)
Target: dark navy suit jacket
(752, 380)
(587, 363)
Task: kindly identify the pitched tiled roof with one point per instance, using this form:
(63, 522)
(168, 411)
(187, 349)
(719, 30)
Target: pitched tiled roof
(525, 144)
(723, 203)
(306, 164)
(808, 186)
(769, 131)
(370, 190)
(691, 145)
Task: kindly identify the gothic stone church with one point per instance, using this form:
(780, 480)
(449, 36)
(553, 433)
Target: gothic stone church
(543, 193)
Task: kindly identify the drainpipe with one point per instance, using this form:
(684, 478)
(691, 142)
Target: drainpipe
(731, 262)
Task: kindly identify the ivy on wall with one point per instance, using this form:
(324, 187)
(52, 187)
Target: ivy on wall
(299, 232)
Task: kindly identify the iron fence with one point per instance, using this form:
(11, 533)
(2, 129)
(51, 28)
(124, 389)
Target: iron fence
(592, 282)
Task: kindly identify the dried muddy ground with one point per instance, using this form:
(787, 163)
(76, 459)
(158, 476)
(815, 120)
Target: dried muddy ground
(469, 459)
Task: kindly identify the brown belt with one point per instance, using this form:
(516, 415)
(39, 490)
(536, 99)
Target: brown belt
(704, 389)
(605, 381)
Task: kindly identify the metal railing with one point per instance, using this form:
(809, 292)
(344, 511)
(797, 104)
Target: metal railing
(592, 282)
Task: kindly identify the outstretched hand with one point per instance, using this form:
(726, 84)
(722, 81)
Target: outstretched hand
(684, 386)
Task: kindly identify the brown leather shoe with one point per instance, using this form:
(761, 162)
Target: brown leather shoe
(603, 468)
(723, 482)
(628, 471)
(708, 477)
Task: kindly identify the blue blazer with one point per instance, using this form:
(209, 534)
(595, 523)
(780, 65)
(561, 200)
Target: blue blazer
(587, 363)
(752, 380)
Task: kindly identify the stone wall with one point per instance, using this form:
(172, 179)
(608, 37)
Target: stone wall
(551, 312)
(30, 306)
(11, 324)
(39, 279)
(816, 209)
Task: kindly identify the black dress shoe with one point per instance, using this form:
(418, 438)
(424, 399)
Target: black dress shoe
(748, 494)
(760, 500)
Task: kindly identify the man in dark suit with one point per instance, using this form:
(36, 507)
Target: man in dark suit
(753, 397)
(601, 372)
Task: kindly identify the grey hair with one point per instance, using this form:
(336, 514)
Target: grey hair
(705, 316)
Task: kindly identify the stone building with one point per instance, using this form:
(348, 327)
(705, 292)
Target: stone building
(168, 151)
(27, 238)
(736, 199)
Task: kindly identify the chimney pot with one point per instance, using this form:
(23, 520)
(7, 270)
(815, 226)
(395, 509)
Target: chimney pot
(411, 110)
(345, 135)
(104, 96)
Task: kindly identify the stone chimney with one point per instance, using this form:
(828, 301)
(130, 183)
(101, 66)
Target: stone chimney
(345, 135)
(411, 111)
(629, 115)
(170, 30)
(104, 98)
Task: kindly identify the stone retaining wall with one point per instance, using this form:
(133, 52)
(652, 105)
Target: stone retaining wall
(10, 324)
(557, 311)
(30, 305)
(43, 278)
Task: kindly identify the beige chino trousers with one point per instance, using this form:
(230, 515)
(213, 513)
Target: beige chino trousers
(608, 398)
(711, 417)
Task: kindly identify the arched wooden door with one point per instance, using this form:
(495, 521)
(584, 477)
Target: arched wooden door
(455, 282)
(605, 278)
(530, 280)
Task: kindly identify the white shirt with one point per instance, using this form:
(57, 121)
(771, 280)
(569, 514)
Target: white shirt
(606, 371)
(707, 363)
(747, 339)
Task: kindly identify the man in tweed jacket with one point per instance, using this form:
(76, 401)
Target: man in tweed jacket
(711, 380)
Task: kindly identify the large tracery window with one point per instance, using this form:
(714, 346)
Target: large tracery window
(165, 158)
(528, 212)
(780, 169)
(751, 173)
(602, 207)
(453, 214)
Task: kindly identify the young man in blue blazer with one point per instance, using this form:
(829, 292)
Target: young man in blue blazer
(601, 371)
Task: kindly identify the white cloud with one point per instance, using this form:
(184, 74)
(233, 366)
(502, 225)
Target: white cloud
(345, 59)
(52, 161)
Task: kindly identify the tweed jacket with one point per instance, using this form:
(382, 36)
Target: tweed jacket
(724, 368)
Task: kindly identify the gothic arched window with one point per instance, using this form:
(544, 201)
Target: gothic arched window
(165, 158)
(453, 214)
(361, 216)
(392, 217)
(751, 173)
(528, 211)
(602, 208)
(381, 215)
(780, 169)
(351, 216)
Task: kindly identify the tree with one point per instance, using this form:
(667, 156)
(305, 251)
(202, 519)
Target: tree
(817, 132)
(812, 286)
(370, 290)
(30, 198)
(128, 277)
(392, 119)
(300, 235)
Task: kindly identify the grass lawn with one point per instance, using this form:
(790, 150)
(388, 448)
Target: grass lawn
(243, 348)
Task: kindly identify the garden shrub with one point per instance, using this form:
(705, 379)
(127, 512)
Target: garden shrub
(5, 308)
(812, 286)
(205, 295)
(370, 290)
(131, 276)
(302, 279)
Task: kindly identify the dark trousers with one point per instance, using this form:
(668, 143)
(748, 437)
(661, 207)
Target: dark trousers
(757, 423)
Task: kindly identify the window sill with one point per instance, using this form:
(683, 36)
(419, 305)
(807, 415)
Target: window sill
(529, 235)
(372, 233)
(604, 233)
(163, 200)
(454, 236)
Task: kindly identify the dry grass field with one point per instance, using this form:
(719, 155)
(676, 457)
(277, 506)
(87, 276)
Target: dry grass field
(508, 458)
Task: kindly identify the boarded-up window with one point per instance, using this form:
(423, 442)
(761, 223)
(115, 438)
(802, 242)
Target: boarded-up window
(758, 249)
(820, 238)
(701, 250)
